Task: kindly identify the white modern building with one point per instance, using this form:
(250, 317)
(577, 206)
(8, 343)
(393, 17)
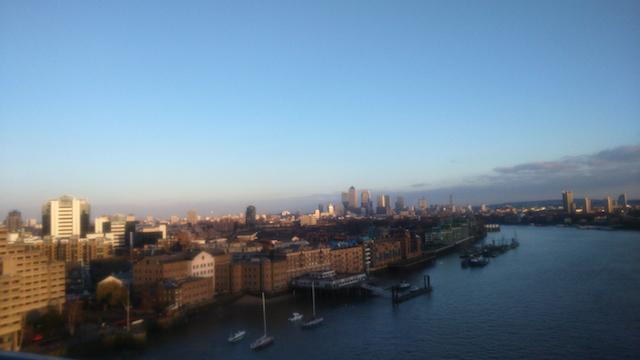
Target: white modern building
(66, 216)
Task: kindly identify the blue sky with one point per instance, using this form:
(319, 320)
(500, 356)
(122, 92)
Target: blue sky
(172, 103)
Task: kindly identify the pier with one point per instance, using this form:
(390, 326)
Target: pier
(398, 295)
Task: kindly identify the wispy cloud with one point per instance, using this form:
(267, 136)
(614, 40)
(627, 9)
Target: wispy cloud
(609, 171)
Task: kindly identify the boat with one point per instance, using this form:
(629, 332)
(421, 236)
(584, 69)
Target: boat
(475, 261)
(478, 262)
(236, 336)
(404, 286)
(315, 321)
(295, 317)
(265, 340)
(514, 241)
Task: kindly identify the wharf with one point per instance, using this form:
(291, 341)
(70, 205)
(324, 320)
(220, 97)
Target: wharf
(445, 249)
(398, 296)
(413, 262)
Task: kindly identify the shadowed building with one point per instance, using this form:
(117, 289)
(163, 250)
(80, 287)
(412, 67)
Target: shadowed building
(250, 216)
(28, 281)
(14, 221)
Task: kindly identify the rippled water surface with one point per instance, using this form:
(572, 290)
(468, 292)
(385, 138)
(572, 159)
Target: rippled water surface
(564, 294)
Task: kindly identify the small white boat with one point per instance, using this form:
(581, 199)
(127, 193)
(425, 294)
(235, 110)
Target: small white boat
(295, 317)
(404, 285)
(236, 336)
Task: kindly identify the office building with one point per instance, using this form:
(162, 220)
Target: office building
(609, 205)
(587, 206)
(622, 201)
(567, 202)
(353, 198)
(400, 204)
(14, 221)
(250, 216)
(66, 216)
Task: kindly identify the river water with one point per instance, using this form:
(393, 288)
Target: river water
(563, 294)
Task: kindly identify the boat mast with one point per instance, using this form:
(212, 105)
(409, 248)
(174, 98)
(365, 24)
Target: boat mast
(264, 315)
(313, 292)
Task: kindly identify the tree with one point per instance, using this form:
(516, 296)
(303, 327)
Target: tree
(112, 294)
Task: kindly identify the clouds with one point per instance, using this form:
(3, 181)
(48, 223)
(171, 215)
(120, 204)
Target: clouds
(623, 157)
(607, 172)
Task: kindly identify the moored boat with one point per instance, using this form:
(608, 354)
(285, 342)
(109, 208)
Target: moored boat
(236, 336)
(295, 317)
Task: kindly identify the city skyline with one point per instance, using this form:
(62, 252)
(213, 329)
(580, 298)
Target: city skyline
(217, 114)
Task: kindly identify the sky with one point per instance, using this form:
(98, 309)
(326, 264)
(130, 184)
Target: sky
(158, 107)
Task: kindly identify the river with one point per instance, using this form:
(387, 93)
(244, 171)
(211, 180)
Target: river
(564, 293)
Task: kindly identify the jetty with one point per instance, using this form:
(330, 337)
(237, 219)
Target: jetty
(398, 295)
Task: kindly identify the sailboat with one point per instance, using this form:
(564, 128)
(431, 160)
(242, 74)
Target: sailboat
(264, 340)
(514, 241)
(315, 321)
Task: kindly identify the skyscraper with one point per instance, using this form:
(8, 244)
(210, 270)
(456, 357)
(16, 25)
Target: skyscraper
(587, 205)
(567, 202)
(330, 209)
(365, 197)
(65, 217)
(423, 204)
(250, 216)
(608, 205)
(14, 221)
(366, 202)
(622, 200)
(400, 204)
(353, 198)
(345, 200)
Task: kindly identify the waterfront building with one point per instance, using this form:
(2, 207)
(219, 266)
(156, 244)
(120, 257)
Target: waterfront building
(14, 221)
(567, 202)
(305, 259)
(348, 260)
(250, 216)
(587, 206)
(222, 268)
(384, 252)
(609, 206)
(410, 246)
(65, 216)
(189, 291)
(28, 281)
(263, 274)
